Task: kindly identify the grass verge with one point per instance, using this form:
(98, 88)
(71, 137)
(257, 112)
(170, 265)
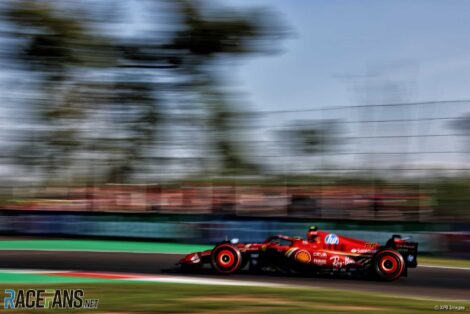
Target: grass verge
(102, 245)
(177, 298)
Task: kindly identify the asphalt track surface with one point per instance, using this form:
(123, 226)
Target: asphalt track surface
(435, 283)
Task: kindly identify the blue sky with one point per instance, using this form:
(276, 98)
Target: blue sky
(347, 53)
(422, 46)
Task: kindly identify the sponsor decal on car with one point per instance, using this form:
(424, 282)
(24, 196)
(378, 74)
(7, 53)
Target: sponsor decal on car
(195, 259)
(406, 246)
(331, 239)
(336, 261)
(348, 260)
(319, 254)
(303, 256)
(319, 261)
(363, 251)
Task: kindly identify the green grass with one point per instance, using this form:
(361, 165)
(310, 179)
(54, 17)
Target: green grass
(440, 261)
(177, 298)
(7, 278)
(102, 245)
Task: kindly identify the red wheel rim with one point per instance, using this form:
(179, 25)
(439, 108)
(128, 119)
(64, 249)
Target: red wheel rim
(388, 264)
(225, 258)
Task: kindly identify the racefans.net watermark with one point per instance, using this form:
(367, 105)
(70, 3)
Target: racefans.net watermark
(59, 299)
(449, 307)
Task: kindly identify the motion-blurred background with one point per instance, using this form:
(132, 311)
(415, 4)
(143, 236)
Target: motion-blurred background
(195, 120)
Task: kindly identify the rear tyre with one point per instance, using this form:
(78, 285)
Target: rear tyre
(226, 258)
(388, 265)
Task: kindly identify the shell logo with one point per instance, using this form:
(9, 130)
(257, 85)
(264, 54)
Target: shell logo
(303, 256)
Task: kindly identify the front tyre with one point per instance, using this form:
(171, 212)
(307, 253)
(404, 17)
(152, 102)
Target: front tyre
(388, 265)
(226, 258)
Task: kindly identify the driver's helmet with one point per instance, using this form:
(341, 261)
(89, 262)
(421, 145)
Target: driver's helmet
(312, 233)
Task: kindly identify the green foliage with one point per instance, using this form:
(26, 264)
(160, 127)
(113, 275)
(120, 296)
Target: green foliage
(312, 137)
(113, 85)
(56, 40)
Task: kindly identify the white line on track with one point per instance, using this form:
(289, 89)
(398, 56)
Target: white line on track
(205, 281)
(444, 267)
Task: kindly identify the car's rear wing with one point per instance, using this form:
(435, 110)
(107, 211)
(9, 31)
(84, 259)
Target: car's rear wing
(409, 250)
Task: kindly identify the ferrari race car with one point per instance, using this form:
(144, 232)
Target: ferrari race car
(321, 253)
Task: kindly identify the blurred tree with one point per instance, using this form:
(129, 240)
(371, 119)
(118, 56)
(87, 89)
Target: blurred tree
(65, 52)
(98, 96)
(224, 124)
(311, 137)
(462, 124)
(203, 39)
(53, 46)
(140, 114)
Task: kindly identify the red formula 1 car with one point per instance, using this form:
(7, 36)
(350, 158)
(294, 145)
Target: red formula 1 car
(321, 253)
